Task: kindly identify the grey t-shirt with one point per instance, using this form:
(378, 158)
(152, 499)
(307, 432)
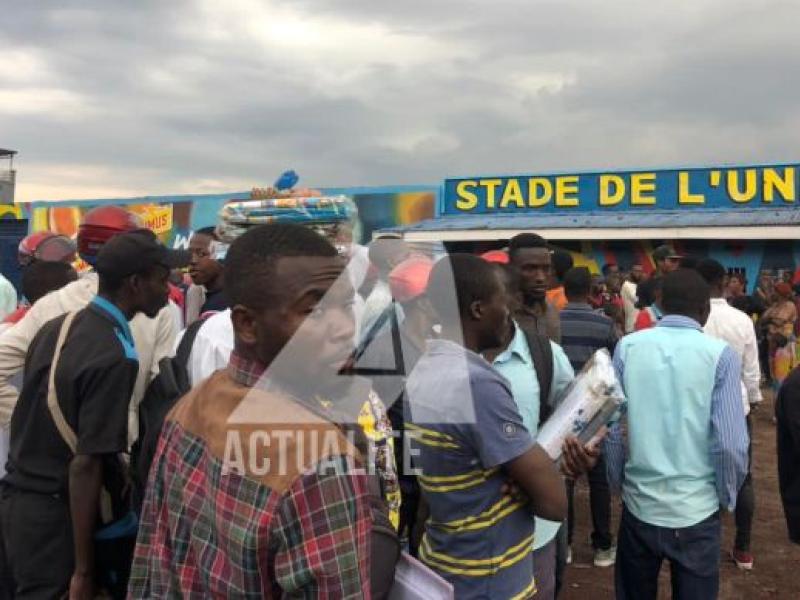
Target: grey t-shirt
(464, 426)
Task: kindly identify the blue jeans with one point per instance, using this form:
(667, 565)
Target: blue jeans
(693, 554)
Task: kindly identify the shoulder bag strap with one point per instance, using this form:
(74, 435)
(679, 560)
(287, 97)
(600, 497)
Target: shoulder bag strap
(184, 351)
(542, 356)
(67, 433)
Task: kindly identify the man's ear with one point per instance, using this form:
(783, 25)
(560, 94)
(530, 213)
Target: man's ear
(133, 285)
(244, 325)
(476, 310)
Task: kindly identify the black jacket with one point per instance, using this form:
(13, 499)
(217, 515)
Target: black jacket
(787, 410)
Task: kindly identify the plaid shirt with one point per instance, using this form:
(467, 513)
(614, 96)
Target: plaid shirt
(208, 531)
(373, 420)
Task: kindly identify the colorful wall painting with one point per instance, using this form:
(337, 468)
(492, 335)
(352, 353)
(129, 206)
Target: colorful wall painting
(174, 218)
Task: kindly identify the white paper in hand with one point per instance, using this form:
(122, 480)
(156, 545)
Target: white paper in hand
(414, 581)
(593, 400)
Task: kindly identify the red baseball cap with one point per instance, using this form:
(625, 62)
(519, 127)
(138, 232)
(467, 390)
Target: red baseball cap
(46, 246)
(409, 279)
(101, 224)
(496, 256)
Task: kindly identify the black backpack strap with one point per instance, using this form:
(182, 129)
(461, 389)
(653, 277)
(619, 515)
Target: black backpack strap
(184, 350)
(542, 356)
(388, 315)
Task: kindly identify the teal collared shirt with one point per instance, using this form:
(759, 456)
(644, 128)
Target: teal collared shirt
(516, 365)
(122, 329)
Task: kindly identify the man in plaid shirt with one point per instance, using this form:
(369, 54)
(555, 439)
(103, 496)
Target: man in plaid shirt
(254, 491)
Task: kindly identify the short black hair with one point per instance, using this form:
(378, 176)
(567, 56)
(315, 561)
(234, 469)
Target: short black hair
(250, 261)
(684, 292)
(42, 277)
(607, 268)
(509, 276)
(562, 262)
(526, 240)
(577, 283)
(738, 275)
(742, 303)
(464, 277)
(690, 262)
(646, 291)
(712, 271)
(209, 231)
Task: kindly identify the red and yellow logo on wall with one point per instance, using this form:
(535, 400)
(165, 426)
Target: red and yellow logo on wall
(66, 219)
(156, 217)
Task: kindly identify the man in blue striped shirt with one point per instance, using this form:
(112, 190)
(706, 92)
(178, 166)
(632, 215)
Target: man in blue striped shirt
(584, 331)
(685, 452)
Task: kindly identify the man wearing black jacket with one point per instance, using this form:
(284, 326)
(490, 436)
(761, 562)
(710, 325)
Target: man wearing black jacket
(787, 411)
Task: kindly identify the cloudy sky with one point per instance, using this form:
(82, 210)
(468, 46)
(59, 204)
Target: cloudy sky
(107, 99)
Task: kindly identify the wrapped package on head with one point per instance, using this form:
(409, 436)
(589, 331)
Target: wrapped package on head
(325, 214)
(594, 400)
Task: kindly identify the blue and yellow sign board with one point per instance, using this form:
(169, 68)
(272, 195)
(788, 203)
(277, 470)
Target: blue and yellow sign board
(772, 186)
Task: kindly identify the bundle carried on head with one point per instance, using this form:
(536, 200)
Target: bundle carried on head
(325, 214)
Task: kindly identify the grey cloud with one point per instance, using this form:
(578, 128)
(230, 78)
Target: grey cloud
(633, 85)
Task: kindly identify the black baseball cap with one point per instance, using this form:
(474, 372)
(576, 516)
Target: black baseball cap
(136, 252)
(664, 252)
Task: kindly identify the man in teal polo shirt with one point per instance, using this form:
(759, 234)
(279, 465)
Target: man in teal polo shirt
(515, 363)
(685, 453)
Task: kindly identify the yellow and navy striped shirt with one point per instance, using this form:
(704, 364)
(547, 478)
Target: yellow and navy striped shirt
(464, 426)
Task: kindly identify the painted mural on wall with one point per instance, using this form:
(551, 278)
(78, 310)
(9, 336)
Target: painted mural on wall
(174, 218)
(165, 219)
(14, 212)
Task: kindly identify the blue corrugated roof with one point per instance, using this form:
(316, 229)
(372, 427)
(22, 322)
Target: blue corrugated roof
(606, 220)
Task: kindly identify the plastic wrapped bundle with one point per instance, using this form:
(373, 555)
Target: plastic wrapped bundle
(593, 400)
(324, 213)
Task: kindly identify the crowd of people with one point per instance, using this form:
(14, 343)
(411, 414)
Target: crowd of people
(281, 416)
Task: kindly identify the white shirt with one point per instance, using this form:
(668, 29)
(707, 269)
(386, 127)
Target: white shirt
(8, 298)
(193, 302)
(177, 315)
(358, 264)
(379, 298)
(212, 347)
(736, 328)
(357, 268)
(629, 299)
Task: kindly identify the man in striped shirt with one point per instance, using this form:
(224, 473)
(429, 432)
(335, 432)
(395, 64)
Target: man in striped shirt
(469, 441)
(584, 331)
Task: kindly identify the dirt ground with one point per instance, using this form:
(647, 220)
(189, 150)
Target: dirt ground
(776, 571)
